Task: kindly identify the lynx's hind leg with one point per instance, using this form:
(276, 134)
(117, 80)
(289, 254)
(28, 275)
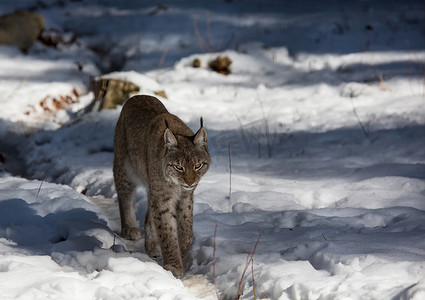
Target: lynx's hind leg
(126, 190)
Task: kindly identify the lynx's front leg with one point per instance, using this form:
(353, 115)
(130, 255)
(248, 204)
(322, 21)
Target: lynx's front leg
(152, 243)
(185, 222)
(163, 211)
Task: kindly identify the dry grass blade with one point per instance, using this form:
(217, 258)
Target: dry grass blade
(163, 56)
(208, 23)
(230, 171)
(242, 131)
(214, 244)
(199, 36)
(253, 280)
(270, 142)
(202, 42)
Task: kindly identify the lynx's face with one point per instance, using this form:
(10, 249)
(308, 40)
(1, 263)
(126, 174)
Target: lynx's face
(186, 159)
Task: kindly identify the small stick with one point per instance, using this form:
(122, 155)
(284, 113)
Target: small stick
(17, 88)
(267, 130)
(198, 35)
(259, 150)
(230, 170)
(113, 244)
(253, 281)
(362, 126)
(215, 283)
(242, 130)
(208, 23)
(163, 56)
(419, 61)
(39, 188)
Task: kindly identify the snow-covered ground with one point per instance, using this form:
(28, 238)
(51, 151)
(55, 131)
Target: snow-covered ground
(322, 118)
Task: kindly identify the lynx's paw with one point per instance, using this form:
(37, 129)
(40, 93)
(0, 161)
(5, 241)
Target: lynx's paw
(177, 271)
(131, 233)
(153, 250)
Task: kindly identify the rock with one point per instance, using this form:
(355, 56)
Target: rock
(221, 65)
(21, 28)
(196, 63)
(109, 93)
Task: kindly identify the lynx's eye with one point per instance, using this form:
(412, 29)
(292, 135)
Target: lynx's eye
(178, 168)
(199, 166)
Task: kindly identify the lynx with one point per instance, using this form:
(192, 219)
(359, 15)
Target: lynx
(156, 149)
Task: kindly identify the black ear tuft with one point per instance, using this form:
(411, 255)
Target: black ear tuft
(202, 122)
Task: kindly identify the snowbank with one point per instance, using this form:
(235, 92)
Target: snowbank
(55, 244)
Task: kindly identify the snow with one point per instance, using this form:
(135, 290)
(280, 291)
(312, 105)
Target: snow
(322, 118)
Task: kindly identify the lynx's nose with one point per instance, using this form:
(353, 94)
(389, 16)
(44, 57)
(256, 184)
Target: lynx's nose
(189, 180)
(189, 183)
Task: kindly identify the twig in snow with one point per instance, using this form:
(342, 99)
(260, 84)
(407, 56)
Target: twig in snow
(198, 35)
(249, 259)
(163, 56)
(230, 170)
(215, 283)
(418, 61)
(208, 23)
(209, 43)
(201, 40)
(21, 83)
(161, 61)
(253, 281)
(39, 188)
(259, 150)
(242, 131)
(362, 126)
(270, 142)
(113, 244)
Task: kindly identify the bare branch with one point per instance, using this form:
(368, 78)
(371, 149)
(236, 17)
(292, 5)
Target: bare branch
(249, 259)
(215, 283)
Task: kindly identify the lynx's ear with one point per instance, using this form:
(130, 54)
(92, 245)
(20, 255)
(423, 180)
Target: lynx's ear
(169, 139)
(200, 137)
